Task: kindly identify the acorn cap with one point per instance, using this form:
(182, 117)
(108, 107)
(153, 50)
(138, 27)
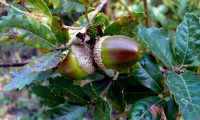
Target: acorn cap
(78, 63)
(116, 52)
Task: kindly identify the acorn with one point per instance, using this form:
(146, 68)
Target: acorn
(78, 63)
(116, 52)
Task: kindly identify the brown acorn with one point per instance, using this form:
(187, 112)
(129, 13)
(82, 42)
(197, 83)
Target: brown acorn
(78, 62)
(116, 52)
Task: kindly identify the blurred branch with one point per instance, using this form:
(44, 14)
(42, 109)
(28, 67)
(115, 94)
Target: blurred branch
(125, 6)
(146, 12)
(86, 12)
(13, 64)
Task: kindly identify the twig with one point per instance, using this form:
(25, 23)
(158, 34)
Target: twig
(13, 64)
(86, 12)
(146, 12)
(103, 2)
(71, 27)
(116, 76)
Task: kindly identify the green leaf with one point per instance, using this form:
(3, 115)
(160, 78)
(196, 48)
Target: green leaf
(55, 3)
(101, 19)
(185, 88)
(73, 6)
(102, 110)
(45, 39)
(41, 7)
(95, 88)
(69, 112)
(187, 46)
(149, 74)
(16, 1)
(124, 26)
(95, 76)
(48, 98)
(141, 110)
(117, 97)
(31, 71)
(140, 91)
(158, 43)
(171, 109)
(66, 86)
(61, 33)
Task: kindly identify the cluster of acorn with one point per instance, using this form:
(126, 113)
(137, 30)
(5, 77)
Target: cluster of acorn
(110, 52)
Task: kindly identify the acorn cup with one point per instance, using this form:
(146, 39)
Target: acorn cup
(78, 62)
(116, 52)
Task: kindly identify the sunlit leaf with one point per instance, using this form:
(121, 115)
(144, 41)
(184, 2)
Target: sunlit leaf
(124, 26)
(44, 38)
(40, 7)
(61, 33)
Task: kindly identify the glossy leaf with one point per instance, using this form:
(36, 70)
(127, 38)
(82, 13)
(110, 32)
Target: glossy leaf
(134, 90)
(102, 110)
(185, 88)
(69, 112)
(149, 74)
(117, 97)
(48, 98)
(124, 26)
(61, 33)
(31, 71)
(95, 88)
(188, 40)
(141, 110)
(101, 19)
(45, 38)
(66, 86)
(171, 109)
(158, 43)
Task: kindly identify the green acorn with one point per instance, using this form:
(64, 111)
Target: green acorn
(116, 52)
(78, 62)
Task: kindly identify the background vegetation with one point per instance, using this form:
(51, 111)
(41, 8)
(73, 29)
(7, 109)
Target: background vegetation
(17, 46)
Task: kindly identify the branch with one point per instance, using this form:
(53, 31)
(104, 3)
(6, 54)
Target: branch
(71, 27)
(125, 6)
(13, 64)
(146, 12)
(98, 9)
